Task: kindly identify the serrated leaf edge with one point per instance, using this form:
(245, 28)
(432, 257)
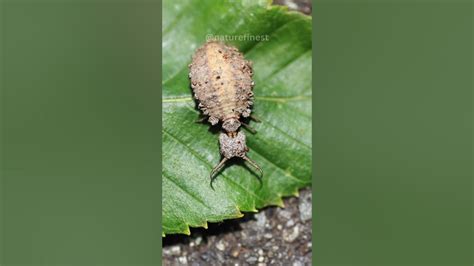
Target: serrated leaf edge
(279, 203)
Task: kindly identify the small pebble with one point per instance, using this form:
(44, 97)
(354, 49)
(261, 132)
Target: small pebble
(298, 263)
(252, 260)
(261, 221)
(220, 257)
(285, 214)
(235, 252)
(261, 259)
(291, 235)
(176, 250)
(262, 264)
(260, 252)
(279, 227)
(183, 260)
(198, 240)
(268, 236)
(290, 223)
(220, 245)
(205, 256)
(305, 206)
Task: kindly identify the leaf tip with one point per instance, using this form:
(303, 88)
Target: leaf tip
(280, 203)
(187, 231)
(296, 193)
(238, 213)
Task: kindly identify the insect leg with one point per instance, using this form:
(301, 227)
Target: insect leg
(201, 120)
(255, 118)
(216, 169)
(254, 164)
(249, 128)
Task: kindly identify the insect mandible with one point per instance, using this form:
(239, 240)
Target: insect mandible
(221, 80)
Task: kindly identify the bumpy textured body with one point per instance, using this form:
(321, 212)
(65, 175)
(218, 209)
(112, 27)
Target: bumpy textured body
(221, 80)
(222, 84)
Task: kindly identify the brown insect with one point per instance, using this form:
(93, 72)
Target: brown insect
(222, 84)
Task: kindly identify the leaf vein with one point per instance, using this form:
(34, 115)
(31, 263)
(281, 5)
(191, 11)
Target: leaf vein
(289, 174)
(186, 191)
(288, 135)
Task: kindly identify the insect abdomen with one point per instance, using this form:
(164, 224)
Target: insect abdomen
(222, 81)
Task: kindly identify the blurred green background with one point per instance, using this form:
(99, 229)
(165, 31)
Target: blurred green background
(80, 125)
(80, 113)
(393, 133)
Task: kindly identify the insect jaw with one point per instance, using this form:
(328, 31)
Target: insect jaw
(233, 146)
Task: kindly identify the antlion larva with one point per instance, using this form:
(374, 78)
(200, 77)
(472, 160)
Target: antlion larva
(222, 84)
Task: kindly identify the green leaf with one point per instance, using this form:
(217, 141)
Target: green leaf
(282, 144)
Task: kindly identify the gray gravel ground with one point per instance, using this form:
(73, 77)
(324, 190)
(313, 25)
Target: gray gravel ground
(274, 236)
